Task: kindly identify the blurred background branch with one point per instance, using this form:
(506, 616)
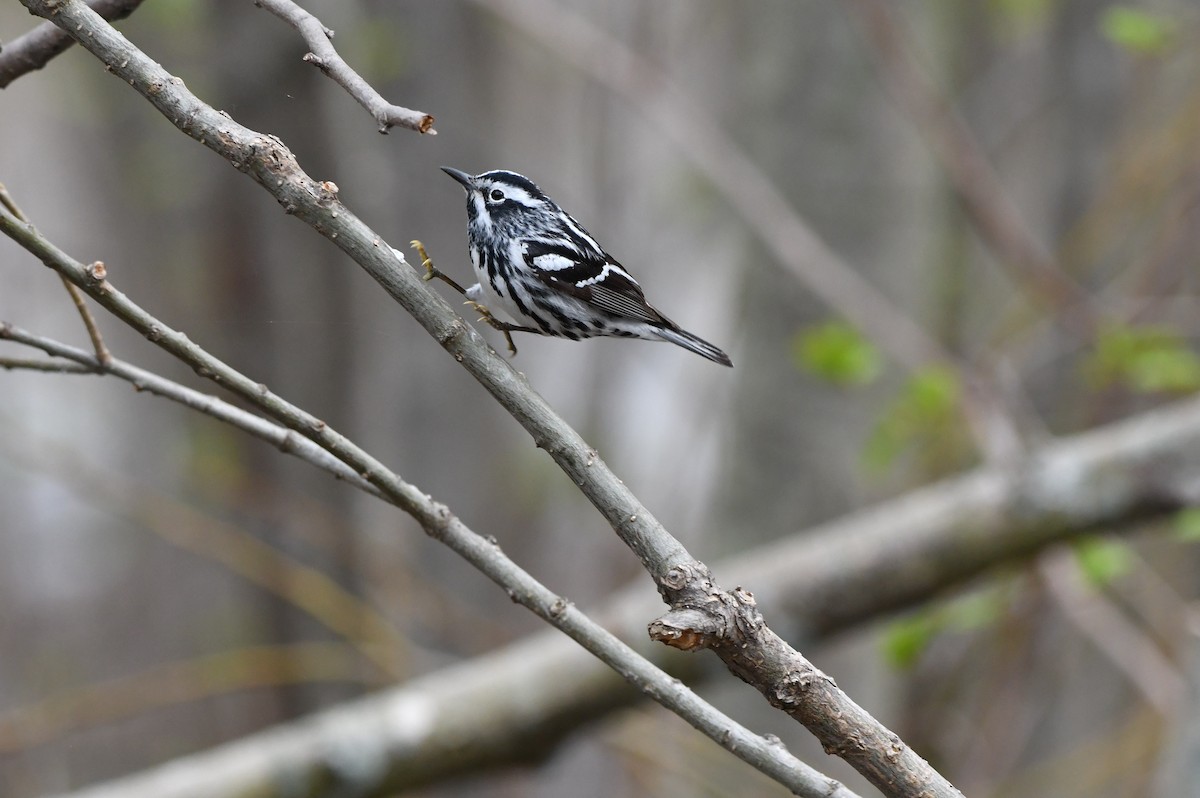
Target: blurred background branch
(174, 683)
(995, 217)
(35, 49)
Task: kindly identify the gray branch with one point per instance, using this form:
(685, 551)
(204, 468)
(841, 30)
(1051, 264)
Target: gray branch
(48, 366)
(326, 58)
(38, 47)
(77, 361)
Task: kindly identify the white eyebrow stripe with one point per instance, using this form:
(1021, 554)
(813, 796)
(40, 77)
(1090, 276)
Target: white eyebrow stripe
(516, 194)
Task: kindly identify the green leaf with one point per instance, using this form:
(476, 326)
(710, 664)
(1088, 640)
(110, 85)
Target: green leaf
(1186, 525)
(1137, 31)
(1173, 369)
(1145, 359)
(976, 610)
(934, 393)
(1103, 560)
(926, 414)
(906, 639)
(1022, 15)
(838, 353)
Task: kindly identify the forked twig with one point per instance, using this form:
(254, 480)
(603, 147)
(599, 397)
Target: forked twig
(89, 321)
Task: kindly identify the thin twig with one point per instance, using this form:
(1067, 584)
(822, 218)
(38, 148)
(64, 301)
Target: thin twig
(326, 58)
(89, 322)
(142, 380)
(440, 523)
(36, 48)
(48, 366)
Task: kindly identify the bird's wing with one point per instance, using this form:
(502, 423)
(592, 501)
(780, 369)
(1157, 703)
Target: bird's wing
(590, 275)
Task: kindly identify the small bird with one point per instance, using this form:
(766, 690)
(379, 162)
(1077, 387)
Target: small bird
(539, 266)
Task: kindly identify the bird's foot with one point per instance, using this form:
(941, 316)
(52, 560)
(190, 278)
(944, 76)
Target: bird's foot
(432, 271)
(507, 329)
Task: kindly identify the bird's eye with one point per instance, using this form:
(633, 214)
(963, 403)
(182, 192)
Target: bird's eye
(497, 195)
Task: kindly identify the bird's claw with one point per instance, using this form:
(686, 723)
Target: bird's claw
(486, 316)
(432, 271)
(426, 262)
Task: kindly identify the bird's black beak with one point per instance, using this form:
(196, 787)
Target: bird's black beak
(467, 181)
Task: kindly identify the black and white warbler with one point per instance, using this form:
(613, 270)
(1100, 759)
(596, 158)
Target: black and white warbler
(540, 267)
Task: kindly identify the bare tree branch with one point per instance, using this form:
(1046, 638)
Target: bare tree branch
(326, 58)
(36, 48)
(280, 437)
(437, 520)
(48, 366)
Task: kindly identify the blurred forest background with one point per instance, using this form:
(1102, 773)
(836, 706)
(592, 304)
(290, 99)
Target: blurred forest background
(153, 600)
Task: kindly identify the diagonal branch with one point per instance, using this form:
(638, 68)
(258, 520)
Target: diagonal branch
(437, 520)
(280, 437)
(748, 647)
(326, 58)
(35, 49)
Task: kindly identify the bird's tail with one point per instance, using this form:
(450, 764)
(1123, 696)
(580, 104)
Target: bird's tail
(695, 343)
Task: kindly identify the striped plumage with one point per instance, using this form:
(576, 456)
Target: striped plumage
(540, 267)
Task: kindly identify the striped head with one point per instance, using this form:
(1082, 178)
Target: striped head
(503, 205)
